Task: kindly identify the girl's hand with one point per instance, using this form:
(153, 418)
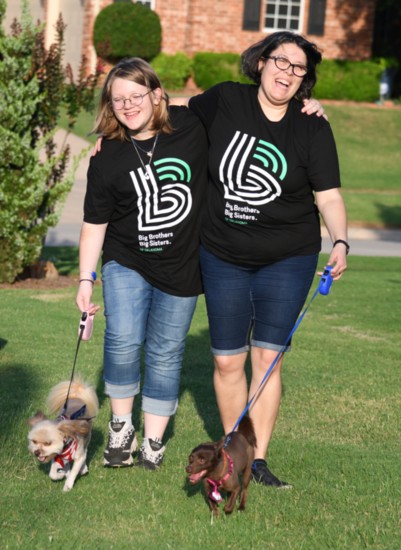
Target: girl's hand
(313, 107)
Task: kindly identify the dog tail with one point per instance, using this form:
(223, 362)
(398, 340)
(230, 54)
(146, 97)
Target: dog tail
(246, 429)
(79, 390)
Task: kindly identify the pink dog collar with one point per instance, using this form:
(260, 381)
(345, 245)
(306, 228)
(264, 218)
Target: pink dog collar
(215, 493)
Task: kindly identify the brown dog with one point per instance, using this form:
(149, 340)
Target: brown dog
(220, 466)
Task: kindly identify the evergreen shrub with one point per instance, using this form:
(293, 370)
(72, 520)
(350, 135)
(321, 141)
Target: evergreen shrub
(348, 80)
(34, 179)
(173, 70)
(213, 68)
(125, 29)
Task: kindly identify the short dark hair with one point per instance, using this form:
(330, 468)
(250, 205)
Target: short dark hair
(250, 58)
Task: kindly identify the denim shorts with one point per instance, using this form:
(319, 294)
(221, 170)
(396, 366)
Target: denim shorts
(142, 317)
(254, 306)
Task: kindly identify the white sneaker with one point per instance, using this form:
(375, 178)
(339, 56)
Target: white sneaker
(121, 444)
(151, 453)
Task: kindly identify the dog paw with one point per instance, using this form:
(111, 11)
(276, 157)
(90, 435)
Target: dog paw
(67, 487)
(84, 470)
(57, 475)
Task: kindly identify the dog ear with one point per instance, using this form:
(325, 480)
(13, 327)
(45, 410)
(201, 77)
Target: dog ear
(39, 416)
(220, 444)
(74, 427)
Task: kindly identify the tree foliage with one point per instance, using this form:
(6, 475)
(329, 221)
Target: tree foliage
(34, 179)
(125, 29)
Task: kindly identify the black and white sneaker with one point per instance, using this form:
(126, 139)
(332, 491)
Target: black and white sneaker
(261, 474)
(151, 453)
(120, 446)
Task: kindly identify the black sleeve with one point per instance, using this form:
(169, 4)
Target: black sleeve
(205, 105)
(323, 170)
(99, 202)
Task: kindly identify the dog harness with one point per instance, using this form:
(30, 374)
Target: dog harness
(68, 452)
(70, 444)
(214, 492)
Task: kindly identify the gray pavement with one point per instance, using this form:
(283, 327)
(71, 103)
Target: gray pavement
(364, 242)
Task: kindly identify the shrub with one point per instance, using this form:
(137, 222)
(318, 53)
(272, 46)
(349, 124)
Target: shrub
(213, 68)
(125, 29)
(173, 70)
(348, 80)
(33, 178)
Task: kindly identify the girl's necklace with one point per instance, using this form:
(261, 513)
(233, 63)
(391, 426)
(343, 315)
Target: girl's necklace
(148, 153)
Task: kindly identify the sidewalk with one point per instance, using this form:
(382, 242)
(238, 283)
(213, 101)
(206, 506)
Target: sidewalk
(66, 233)
(364, 242)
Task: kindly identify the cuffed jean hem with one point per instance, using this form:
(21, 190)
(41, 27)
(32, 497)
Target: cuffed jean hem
(273, 347)
(158, 407)
(245, 349)
(121, 392)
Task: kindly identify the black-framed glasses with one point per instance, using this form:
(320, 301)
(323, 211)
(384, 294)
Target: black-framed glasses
(283, 64)
(133, 101)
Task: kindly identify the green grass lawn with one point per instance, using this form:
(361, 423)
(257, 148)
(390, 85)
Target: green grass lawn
(337, 439)
(369, 147)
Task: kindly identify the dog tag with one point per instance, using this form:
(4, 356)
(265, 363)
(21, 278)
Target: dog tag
(215, 495)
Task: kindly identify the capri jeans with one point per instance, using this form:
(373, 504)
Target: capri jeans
(254, 306)
(140, 316)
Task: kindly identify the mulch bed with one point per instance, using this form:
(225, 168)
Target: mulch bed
(42, 284)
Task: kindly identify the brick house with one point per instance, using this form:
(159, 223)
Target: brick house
(343, 29)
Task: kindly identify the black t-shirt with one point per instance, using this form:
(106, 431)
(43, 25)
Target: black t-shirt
(262, 176)
(153, 223)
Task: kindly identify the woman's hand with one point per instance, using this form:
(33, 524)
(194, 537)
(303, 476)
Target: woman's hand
(313, 107)
(338, 261)
(84, 298)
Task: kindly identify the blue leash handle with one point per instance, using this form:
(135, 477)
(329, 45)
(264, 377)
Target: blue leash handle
(323, 288)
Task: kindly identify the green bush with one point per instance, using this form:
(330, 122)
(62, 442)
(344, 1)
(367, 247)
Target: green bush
(33, 175)
(342, 80)
(348, 80)
(213, 68)
(173, 70)
(125, 29)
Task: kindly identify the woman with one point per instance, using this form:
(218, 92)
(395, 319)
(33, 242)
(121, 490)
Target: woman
(142, 211)
(272, 170)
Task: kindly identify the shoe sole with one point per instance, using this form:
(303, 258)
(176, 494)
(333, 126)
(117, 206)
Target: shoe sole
(275, 485)
(125, 464)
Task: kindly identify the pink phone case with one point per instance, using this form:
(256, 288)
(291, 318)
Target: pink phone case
(86, 323)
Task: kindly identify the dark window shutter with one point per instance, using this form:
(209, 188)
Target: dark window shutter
(317, 14)
(251, 18)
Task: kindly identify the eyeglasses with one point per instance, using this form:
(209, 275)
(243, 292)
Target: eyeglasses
(283, 64)
(133, 101)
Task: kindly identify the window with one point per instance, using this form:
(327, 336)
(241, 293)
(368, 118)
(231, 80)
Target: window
(283, 15)
(147, 4)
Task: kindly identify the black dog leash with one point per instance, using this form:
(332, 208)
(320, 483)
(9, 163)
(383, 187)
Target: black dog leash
(82, 325)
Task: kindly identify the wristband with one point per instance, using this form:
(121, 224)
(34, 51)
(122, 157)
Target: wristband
(338, 241)
(91, 273)
(89, 281)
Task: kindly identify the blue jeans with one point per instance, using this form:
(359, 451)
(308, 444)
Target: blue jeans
(255, 306)
(138, 315)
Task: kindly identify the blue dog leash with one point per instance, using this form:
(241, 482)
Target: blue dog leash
(323, 288)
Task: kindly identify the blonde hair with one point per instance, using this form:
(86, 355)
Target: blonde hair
(139, 71)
